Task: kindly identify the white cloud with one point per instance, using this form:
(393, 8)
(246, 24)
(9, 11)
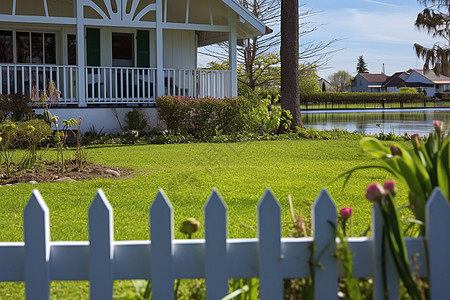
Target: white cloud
(381, 3)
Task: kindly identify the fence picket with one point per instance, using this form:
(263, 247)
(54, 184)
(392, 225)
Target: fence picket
(161, 234)
(36, 229)
(37, 260)
(216, 247)
(101, 249)
(382, 262)
(438, 220)
(323, 222)
(270, 256)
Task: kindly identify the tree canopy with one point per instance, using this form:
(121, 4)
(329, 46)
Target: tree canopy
(340, 80)
(308, 82)
(435, 20)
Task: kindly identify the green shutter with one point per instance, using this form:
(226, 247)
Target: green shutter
(93, 46)
(143, 49)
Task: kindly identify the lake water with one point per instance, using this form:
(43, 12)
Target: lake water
(397, 121)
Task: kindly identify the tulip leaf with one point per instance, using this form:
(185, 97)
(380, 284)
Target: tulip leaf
(443, 168)
(374, 147)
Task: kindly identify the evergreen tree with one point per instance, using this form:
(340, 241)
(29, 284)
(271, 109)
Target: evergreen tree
(361, 66)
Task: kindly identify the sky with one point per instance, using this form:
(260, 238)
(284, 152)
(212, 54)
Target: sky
(381, 31)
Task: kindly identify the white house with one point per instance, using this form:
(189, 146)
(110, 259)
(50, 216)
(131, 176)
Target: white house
(422, 81)
(118, 53)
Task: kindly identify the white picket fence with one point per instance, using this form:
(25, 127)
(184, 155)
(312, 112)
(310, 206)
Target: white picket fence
(38, 260)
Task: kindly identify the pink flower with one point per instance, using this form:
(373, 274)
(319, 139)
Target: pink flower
(437, 125)
(390, 187)
(346, 212)
(374, 192)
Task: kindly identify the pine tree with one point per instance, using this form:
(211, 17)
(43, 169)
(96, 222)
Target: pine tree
(361, 66)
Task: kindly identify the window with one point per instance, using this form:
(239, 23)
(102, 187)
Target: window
(50, 48)
(23, 47)
(122, 49)
(6, 46)
(37, 48)
(72, 49)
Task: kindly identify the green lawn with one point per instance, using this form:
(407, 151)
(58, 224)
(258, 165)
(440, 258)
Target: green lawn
(188, 173)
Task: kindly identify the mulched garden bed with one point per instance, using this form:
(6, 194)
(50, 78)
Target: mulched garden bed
(48, 172)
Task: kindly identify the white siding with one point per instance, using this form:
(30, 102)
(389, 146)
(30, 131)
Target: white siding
(179, 49)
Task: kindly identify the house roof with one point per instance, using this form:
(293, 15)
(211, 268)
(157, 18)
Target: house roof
(371, 77)
(430, 75)
(249, 23)
(247, 26)
(394, 81)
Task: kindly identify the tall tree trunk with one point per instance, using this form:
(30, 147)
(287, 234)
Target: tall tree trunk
(290, 90)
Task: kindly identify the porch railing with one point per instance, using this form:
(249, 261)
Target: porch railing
(110, 85)
(21, 78)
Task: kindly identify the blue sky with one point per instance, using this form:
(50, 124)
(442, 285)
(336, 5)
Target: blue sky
(382, 31)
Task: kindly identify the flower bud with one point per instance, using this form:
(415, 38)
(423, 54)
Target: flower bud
(374, 192)
(395, 150)
(437, 125)
(416, 140)
(390, 187)
(346, 212)
(189, 226)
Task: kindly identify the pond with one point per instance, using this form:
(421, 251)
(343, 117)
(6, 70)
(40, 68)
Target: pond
(397, 121)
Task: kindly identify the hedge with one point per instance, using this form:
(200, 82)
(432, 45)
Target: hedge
(356, 98)
(203, 116)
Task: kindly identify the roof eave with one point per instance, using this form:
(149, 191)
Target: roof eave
(247, 16)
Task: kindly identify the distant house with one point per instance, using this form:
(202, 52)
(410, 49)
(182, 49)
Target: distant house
(368, 82)
(325, 86)
(395, 82)
(422, 81)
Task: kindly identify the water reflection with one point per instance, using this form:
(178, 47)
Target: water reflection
(397, 121)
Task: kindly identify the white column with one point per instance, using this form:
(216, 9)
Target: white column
(232, 54)
(159, 50)
(80, 54)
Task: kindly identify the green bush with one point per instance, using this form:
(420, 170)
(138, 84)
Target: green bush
(266, 117)
(407, 90)
(41, 130)
(135, 120)
(202, 117)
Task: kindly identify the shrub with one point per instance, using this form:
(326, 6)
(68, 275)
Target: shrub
(15, 107)
(203, 117)
(407, 90)
(135, 120)
(172, 111)
(40, 132)
(266, 117)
